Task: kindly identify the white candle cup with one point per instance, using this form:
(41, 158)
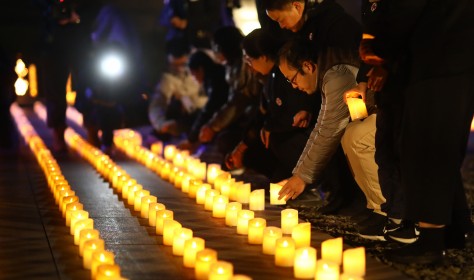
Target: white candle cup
(137, 206)
(145, 205)
(191, 247)
(302, 235)
(327, 270)
(86, 234)
(331, 250)
(231, 212)
(162, 215)
(153, 208)
(304, 266)
(270, 235)
(169, 152)
(256, 227)
(213, 170)
(76, 216)
(201, 193)
(289, 219)
(221, 270)
(243, 193)
(257, 200)
(225, 186)
(107, 272)
(243, 217)
(180, 236)
(354, 262)
(79, 226)
(219, 206)
(357, 108)
(90, 246)
(284, 252)
(209, 201)
(220, 179)
(274, 190)
(131, 193)
(204, 259)
(169, 227)
(100, 258)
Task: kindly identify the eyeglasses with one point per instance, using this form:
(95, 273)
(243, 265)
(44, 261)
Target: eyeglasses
(292, 80)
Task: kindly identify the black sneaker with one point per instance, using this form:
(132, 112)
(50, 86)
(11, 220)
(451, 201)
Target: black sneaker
(372, 228)
(392, 225)
(406, 233)
(373, 219)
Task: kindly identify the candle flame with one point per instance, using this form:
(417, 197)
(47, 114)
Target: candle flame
(285, 243)
(220, 270)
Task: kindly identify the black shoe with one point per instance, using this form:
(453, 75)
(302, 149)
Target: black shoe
(428, 249)
(372, 228)
(373, 219)
(404, 232)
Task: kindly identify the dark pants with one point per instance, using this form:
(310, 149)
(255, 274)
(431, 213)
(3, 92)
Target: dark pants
(436, 124)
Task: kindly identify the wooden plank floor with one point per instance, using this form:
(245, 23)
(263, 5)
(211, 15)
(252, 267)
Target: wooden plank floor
(35, 243)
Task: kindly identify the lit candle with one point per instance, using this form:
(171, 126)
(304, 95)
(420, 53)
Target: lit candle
(68, 200)
(274, 190)
(169, 227)
(204, 259)
(90, 246)
(180, 236)
(154, 207)
(243, 193)
(354, 262)
(331, 250)
(145, 205)
(210, 195)
(173, 173)
(201, 193)
(169, 153)
(165, 171)
(179, 160)
(199, 171)
(85, 235)
(304, 266)
(284, 252)
(76, 216)
(131, 193)
(186, 182)
(193, 187)
(220, 179)
(233, 190)
(270, 235)
(289, 219)
(80, 225)
(70, 208)
(243, 218)
(221, 270)
(191, 247)
(63, 197)
(178, 180)
(302, 235)
(219, 206)
(162, 215)
(225, 186)
(231, 211)
(137, 205)
(357, 108)
(257, 200)
(213, 170)
(327, 270)
(100, 258)
(255, 231)
(130, 183)
(108, 272)
(157, 148)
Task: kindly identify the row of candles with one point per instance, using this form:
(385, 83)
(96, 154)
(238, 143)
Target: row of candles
(192, 249)
(91, 247)
(219, 193)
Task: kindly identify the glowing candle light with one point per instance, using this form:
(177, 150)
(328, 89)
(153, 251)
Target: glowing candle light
(70, 208)
(76, 216)
(204, 259)
(173, 173)
(225, 186)
(100, 258)
(130, 183)
(331, 250)
(179, 160)
(327, 270)
(270, 236)
(191, 247)
(213, 170)
(162, 215)
(256, 227)
(284, 252)
(169, 227)
(108, 272)
(178, 180)
(145, 205)
(357, 108)
(243, 218)
(131, 193)
(90, 246)
(219, 206)
(289, 219)
(157, 148)
(210, 195)
(231, 213)
(199, 171)
(243, 193)
(193, 187)
(274, 190)
(304, 266)
(302, 235)
(221, 270)
(66, 201)
(165, 171)
(137, 205)
(62, 196)
(180, 236)
(354, 262)
(201, 193)
(257, 200)
(186, 182)
(170, 151)
(85, 235)
(220, 179)
(79, 226)
(233, 190)
(154, 207)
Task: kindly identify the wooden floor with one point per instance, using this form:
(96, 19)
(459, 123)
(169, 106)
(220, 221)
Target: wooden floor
(35, 242)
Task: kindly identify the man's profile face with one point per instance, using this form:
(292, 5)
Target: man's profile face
(290, 17)
(304, 78)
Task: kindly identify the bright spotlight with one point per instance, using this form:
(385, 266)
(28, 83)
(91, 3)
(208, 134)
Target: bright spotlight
(112, 65)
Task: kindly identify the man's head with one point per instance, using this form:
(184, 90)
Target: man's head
(177, 50)
(297, 62)
(199, 64)
(288, 13)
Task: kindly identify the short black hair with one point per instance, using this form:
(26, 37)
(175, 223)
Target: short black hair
(272, 5)
(178, 47)
(261, 42)
(298, 50)
(228, 40)
(200, 59)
